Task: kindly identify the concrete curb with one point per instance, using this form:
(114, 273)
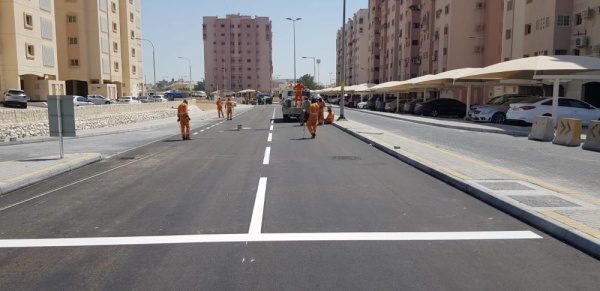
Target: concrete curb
(49, 172)
(460, 127)
(558, 230)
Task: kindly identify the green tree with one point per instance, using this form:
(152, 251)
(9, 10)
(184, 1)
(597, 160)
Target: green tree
(308, 81)
(199, 86)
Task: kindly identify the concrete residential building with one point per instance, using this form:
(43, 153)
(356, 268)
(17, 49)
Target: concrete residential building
(93, 59)
(28, 52)
(357, 49)
(237, 53)
(585, 41)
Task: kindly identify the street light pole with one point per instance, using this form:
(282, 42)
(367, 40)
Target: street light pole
(153, 62)
(294, 25)
(190, 62)
(318, 70)
(343, 66)
(314, 67)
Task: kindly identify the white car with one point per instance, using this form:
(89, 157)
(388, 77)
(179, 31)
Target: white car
(567, 108)
(362, 105)
(128, 100)
(81, 101)
(98, 99)
(158, 98)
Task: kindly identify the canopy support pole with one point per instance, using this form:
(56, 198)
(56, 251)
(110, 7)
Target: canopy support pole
(398, 102)
(555, 101)
(468, 100)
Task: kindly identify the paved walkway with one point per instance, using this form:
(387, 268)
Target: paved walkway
(561, 212)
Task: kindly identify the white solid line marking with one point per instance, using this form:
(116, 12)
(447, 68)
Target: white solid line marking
(195, 133)
(203, 130)
(256, 236)
(273, 115)
(259, 207)
(267, 156)
(271, 128)
(270, 138)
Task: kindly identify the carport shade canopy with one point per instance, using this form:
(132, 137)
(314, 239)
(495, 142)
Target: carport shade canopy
(555, 68)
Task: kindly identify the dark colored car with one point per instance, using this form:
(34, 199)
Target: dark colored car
(371, 103)
(442, 106)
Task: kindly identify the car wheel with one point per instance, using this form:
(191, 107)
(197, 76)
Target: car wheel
(434, 113)
(547, 114)
(106, 102)
(498, 118)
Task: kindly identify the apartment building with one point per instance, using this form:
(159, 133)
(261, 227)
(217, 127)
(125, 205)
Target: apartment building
(357, 54)
(585, 41)
(96, 44)
(237, 53)
(28, 50)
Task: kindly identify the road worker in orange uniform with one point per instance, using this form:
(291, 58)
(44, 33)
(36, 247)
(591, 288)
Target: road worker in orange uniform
(321, 110)
(330, 116)
(220, 108)
(229, 107)
(313, 118)
(298, 94)
(184, 120)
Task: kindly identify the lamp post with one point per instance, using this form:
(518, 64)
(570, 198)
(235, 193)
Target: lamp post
(318, 70)
(343, 66)
(153, 61)
(294, 25)
(314, 66)
(190, 62)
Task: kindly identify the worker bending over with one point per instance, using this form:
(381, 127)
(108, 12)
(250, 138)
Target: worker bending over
(313, 118)
(321, 110)
(184, 120)
(229, 107)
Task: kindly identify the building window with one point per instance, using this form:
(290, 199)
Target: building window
(30, 51)
(114, 26)
(132, 34)
(74, 62)
(115, 47)
(130, 1)
(576, 52)
(578, 19)
(528, 29)
(528, 1)
(445, 51)
(116, 66)
(72, 40)
(447, 9)
(134, 69)
(507, 34)
(445, 30)
(560, 52)
(130, 17)
(563, 20)
(28, 20)
(113, 7)
(133, 52)
(71, 18)
(509, 5)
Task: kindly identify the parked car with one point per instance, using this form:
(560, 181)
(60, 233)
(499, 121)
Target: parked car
(146, 99)
(361, 105)
(81, 101)
(16, 98)
(333, 100)
(372, 102)
(409, 107)
(495, 110)
(527, 110)
(441, 106)
(99, 99)
(159, 98)
(128, 100)
(390, 106)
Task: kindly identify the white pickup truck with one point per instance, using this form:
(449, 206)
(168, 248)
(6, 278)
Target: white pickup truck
(288, 109)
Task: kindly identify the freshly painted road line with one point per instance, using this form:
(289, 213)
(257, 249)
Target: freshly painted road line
(273, 117)
(271, 127)
(270, 138)
(202, 130)
(195, 133)
(256, 236)
(259, 206)
(267, 156)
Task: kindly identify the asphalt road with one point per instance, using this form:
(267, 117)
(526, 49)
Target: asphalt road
(337, 214)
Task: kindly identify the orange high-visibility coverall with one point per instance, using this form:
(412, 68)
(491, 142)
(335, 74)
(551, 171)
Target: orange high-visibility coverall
(184, 120)
(321, 111)
(329, 118)
(298, 94)
(313, 118)
(220, 108)
(229, 107)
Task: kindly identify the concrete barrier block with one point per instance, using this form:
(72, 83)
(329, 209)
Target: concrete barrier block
(542, 129)
(568, 132)
(592, 139)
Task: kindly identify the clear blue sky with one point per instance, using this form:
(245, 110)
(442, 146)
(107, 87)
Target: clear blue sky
(175, 28)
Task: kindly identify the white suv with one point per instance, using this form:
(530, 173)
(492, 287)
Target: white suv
(15, 97)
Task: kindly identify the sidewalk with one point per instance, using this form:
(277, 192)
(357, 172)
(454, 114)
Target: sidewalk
(563, 213)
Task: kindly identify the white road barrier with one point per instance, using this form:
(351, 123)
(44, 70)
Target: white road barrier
(592, 139)
(542, 129)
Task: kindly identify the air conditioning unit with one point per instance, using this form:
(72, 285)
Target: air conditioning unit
(587, 13)
(416, 61)
(434, 58)
(438, 13)
(479, 5)
(436, 35)
(478, 48)
(581, 41)
(479, 27)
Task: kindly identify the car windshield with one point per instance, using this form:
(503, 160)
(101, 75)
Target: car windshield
(16, 92)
